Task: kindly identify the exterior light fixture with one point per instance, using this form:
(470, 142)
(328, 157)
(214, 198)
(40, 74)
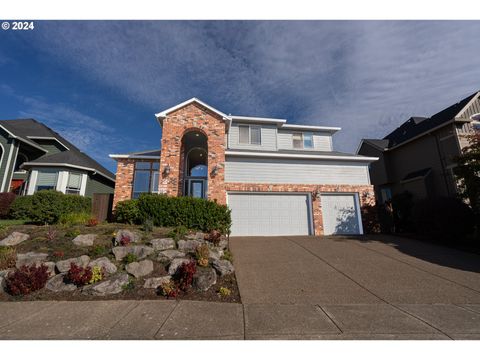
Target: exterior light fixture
(214, 170)
(166, 170)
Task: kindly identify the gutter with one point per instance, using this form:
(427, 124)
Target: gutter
(67, 165)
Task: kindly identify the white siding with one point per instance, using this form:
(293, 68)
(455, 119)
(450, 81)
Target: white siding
(322, 141)
(269, 138)
(293, 171)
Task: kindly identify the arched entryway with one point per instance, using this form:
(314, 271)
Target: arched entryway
(195, 162)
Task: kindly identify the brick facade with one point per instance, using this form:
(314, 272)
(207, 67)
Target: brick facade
(123, 181)
(365, 192)
(192, 117)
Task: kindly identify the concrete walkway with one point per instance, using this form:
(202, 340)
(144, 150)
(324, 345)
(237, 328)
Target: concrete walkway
(203, 320)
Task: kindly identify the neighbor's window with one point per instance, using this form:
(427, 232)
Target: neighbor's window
(74, 183)
(243, 134)
(46, 180)
(145, 178)
(308, 140)
(297, 141)
(255, 135)
(250, 134)
(302, 140)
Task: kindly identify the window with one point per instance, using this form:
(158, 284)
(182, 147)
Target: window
(250, 134)
(46, 180)
(74, 183)
(302, 140)
(145, 178)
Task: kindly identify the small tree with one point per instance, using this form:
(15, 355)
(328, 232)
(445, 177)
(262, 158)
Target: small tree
(467, 173)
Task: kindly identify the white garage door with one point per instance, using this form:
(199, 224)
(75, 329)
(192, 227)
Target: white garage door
(340, 214)
(269, 214)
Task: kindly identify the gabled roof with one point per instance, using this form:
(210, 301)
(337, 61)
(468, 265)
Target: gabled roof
(26, 130)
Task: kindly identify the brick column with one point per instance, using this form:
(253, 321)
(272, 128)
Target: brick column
(124, 180)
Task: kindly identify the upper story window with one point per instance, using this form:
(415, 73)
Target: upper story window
(46, 180)
(74, 183)
(250, 134)
(302, 140)
(145, 178)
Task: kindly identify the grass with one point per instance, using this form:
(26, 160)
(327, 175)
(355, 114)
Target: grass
(9, 222)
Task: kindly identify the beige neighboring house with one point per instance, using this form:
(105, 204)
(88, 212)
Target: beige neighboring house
(419, 155)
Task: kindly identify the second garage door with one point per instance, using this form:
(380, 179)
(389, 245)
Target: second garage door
(269, 214)
(340, 214)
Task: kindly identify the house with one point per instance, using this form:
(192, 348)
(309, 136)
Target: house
(34, 157)
(277, 178)
(419, 156)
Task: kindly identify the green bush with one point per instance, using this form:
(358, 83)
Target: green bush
(127, 212)
(47, 206)
(190, 212)
(21, 207)
(178, 232)
(69, 219)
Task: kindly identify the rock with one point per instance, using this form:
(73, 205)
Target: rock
(223, 244)
(132, 235)
(176, 263)
(188, 245)
(30, 258)
(14, 238)
(140, 269)
(199, 236)
(204, 279)
(57, 284)
(104, 263)
(215, 254)
(163, 244)
(114, 285)
(153, 283)
(223, 267)
(140, 251)
(2, 284)
(84, 240)
(51, 268)
(170, 254)
(64, 265)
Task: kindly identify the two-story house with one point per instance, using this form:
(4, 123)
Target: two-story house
(419, 156)
(33, 157)
(277, 179)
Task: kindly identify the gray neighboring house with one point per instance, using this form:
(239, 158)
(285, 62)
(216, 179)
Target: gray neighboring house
(34, 157)
(419, 155)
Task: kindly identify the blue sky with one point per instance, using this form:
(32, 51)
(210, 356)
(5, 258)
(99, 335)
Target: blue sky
(99, 83)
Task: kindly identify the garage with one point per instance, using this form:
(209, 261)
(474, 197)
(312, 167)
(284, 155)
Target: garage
(341, 214)
(267, 214)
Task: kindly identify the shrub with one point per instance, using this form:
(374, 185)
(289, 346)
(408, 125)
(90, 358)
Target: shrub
(443, 218)
(79, 275)
(20, 208)
(183, 277)
(214, 237)
(98, 250)
(129, 286)
(178, 232)
(6, 200)
(402, 211)
(8, 257)
(202, 253)
(47, 206)
(130, 258)
(59, 254)
(224, 292)
(72, 233)
(227, 255)
(74, 218)
(97, 274)
(148, 225)
(125, 240)
(92, 222)
(27, 279)
(127, 212)
(169, 289)
(187, 211)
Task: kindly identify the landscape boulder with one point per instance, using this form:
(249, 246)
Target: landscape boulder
(140, 251)
(153, 283)
(176, 263)
(57, 284)
(51, 267)
(64, 265)
(223, 267)
(14, 238)
(169, 255)
(140, 269)
(132, 235)
(30, 258)
(204, 279)
(163, 244)
(84, 240)
(188, 246)
(112, 286)
(104, 263)
(215, 254)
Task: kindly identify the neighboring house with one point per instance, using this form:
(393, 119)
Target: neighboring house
(419, 155)
(33, 157)
(278, 179)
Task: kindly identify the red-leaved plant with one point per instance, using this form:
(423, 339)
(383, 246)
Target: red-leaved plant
(183, 277)
(27, 279)
(58, 254)
(125, 240)
(79, 275)
(92, 222)
(214, 237)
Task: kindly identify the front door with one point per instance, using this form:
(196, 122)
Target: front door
(196, 188)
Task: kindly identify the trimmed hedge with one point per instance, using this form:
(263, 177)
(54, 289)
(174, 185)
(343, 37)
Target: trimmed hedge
(193, 213)
(127, 212)
(6, 200)
(47, 206)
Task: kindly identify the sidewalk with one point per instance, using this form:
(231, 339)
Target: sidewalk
(204, 320)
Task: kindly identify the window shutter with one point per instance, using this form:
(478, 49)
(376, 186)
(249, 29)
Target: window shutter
(47, 178)
(74, 181)
(243, 134)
